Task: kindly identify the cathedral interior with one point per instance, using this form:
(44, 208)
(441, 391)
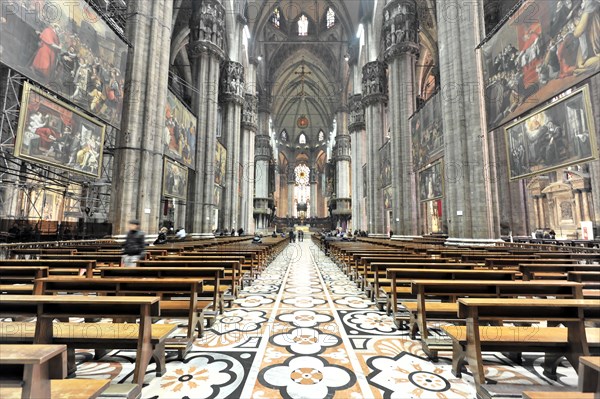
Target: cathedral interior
(403, 122)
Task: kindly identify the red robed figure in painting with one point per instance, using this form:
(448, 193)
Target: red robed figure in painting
(45, 58)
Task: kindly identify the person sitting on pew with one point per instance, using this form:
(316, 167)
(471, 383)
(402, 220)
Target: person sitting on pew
(181, 234)
(135, 244)
(162, 236)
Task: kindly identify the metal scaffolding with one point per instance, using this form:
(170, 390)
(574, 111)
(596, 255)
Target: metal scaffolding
(24, 184)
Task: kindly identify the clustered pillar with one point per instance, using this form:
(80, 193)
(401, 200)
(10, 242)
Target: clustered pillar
(262, 158)
(374, 89)
(357, 129)
(401, 53)
(206, 54)
(139, 152)
(232, 98)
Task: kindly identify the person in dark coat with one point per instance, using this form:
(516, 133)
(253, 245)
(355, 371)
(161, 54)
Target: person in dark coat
(134, 248)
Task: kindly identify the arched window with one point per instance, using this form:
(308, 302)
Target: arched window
(302, 139)
(321, 136)
(303, 26)
(330, 18)
(283, 136)
(276, 18)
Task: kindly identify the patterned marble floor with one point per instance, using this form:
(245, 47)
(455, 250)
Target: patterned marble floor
(303, 330)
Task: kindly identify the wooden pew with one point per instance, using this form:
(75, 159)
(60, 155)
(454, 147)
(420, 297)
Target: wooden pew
(191, 306)
(514, 262)
(100, 259)
(470, 341)
(31, 367)
(64, 389)
(424, 310)
(146, 338)
(589, 374)
(378, 284)
(208, 284)
(55, 266)
(19, 279)
(400, 279)
(536, 270)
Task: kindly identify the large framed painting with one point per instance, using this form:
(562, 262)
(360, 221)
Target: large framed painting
(558, 135)
(54, 133)
(217, 196)
(220, 164)
(67, 48)
(431, 182)
(545, 48)
(427, 132)
(180, 131)
(175, 180)
(385, 165)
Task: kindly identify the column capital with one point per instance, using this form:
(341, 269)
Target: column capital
(374, 83)
(401, 28)
(357, 113)
(232, 83)
(249, 113)
(207, 28)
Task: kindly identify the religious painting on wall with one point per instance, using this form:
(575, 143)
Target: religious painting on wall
(175, 180)
(542, 50)
(69, 49)
(44, 204)
(180, 131)
(220, 164)
(387, 198)
(431, 182)
(556, 136)
(365, 180)
(57, 134)
(427, 132)
(385, 165)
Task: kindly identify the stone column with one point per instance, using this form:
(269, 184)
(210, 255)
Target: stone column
(291, 183)
(585, 205)
(374, 89)
(313, 192)
(262, 158)
(356, 127)
(542, 212)
(467, 183)
(401, 53)
(343, 210)
(536, 212)
(139, 154)
(206, 54)
(577, 211)
(232, 97)
(249, 127)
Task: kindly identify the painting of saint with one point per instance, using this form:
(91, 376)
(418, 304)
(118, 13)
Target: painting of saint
(180, 131)
(175, 180)
(54, 133)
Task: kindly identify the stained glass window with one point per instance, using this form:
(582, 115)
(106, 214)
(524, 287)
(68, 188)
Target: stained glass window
(283, 136)
(302, 138)
(330, 18)
(302, 175)
(276, 18)
(321, 135)
(303, 26)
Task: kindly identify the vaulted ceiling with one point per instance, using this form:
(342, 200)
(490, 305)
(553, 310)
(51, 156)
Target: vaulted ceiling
(318, 92)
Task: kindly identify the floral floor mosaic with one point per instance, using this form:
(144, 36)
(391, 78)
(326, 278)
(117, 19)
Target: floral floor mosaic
(304, 330)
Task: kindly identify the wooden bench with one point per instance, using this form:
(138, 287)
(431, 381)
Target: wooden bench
(541, 270)
(31, 367)
(469, 341)
(55, 266)
(208, 283)
(73, 388)
(179, 297)
(100, 259)
(404, 272)
(589, 374)
(424, 310)
(553, 394)
(232, 269)
(19, 279)
(146, 338)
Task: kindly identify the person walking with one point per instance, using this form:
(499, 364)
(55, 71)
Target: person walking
(134, 248)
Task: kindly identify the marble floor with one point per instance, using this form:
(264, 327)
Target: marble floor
(303, 330)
